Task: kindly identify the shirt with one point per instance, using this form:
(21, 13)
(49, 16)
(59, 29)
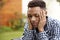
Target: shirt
(51, 31)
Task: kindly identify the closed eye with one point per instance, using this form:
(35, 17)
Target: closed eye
(29, 16)
(36, 15)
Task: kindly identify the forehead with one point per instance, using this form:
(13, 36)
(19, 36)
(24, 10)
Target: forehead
(34, 10)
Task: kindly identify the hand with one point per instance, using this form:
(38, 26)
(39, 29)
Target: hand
(42, 21)
(30, 26)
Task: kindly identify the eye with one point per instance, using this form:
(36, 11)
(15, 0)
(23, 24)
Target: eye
(29, 16)
(36, 15)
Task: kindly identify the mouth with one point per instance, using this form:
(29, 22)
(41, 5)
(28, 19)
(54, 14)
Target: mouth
(34, 24)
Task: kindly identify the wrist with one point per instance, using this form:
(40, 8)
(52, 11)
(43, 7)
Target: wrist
(41, 30)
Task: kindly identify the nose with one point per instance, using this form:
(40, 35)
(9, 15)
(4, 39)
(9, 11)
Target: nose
(33, 18)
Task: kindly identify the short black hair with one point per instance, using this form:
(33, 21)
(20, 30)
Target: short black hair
(37, 3)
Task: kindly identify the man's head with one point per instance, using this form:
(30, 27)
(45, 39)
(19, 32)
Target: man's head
(35, 8)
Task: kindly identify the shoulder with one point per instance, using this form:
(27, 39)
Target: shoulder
(26, 25)
(53, 22)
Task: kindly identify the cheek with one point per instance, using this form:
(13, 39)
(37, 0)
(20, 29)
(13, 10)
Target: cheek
(29, 19)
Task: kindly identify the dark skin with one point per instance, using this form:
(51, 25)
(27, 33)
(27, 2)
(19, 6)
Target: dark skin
(36, 18)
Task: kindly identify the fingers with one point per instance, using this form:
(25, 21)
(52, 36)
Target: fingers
(30, 26)
(42, 16)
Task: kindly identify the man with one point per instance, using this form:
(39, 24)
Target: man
(39, 25)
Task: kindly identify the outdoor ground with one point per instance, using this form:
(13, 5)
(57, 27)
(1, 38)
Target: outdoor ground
(11, 35)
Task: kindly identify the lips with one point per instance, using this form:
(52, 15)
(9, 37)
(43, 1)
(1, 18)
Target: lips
(34, 24)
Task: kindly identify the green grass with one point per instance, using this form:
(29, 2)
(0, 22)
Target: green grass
(11, 35)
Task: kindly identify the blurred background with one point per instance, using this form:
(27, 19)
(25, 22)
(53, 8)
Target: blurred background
(13, 15)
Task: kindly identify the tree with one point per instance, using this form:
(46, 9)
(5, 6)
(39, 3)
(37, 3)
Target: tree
(1, 3)
(58, 0)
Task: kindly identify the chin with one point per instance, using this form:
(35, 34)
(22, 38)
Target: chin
(35, 26)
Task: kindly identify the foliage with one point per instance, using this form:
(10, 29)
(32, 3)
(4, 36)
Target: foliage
(1, 3)
(58, 0)
(16, 24)
(5, 29)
